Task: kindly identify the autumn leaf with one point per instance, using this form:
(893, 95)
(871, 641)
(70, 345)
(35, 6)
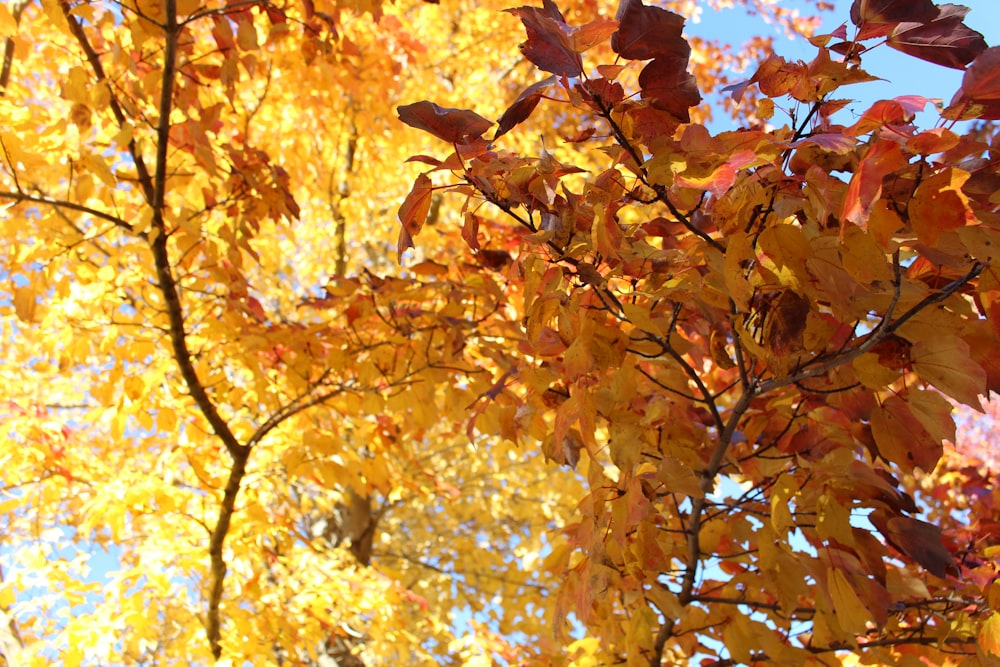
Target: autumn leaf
(668, 85)
(944, 40)
(901, 436)
(882, 159)
(988, 640)
(646, 32)
(875, 18)
(456, 126)
(413, 212)
(549, 44)
(522, 107)
(944, 362)
(917, 539)
(979, 94)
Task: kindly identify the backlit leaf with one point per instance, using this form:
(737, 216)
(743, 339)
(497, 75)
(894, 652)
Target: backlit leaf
(523, 106)
(944, 362)
(452, 125)
(646, 32)
(944, 40)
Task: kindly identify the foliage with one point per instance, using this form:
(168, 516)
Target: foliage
(745, 340)
(236, 433)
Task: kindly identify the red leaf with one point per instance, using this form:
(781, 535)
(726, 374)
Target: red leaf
(549, 45)
(899, 111)
(522, 107)
(979, 96)
(470, 230)
(413, 213)
(883, 158)
(667, 82)
(648, 32)
(456, 126)
(917, 539)
(601, 93)
(876, 18)
(944, 41)
(982, 79)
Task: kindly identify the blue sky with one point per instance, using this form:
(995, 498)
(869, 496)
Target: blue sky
(903, 74)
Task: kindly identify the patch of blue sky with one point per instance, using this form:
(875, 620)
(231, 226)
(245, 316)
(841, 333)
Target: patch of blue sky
(899, 73)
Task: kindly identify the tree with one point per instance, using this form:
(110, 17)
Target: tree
(268, 448)
(746, 342)
(272, 449)
(230, 431)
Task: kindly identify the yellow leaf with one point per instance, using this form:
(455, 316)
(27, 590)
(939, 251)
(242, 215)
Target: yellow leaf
(106, 274)
(246, 35)
(851, 613)
(988, 641)
(8, 26)
(944, 361)
(782, 493)
(25, 303)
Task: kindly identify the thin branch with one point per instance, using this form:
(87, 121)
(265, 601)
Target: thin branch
(76, 28)
(884, 329)
(73, 206)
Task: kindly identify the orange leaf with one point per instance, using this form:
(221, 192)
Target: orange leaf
(901, 436)
(944, 362)
(413, 212)
(988, 641)
(939, 205)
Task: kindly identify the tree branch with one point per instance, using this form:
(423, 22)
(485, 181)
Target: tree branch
(73, 206)
(884, 329)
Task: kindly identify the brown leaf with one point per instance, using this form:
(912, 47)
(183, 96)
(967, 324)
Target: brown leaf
(456, 126)
(875, 18)
(786, 322)
(646, 32)
(946, 40)
(549, 44)
(413, 213)
(917, 539)
(522, 107)
(667, 83)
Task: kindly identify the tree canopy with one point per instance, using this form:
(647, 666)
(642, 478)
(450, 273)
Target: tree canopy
(309, 361)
